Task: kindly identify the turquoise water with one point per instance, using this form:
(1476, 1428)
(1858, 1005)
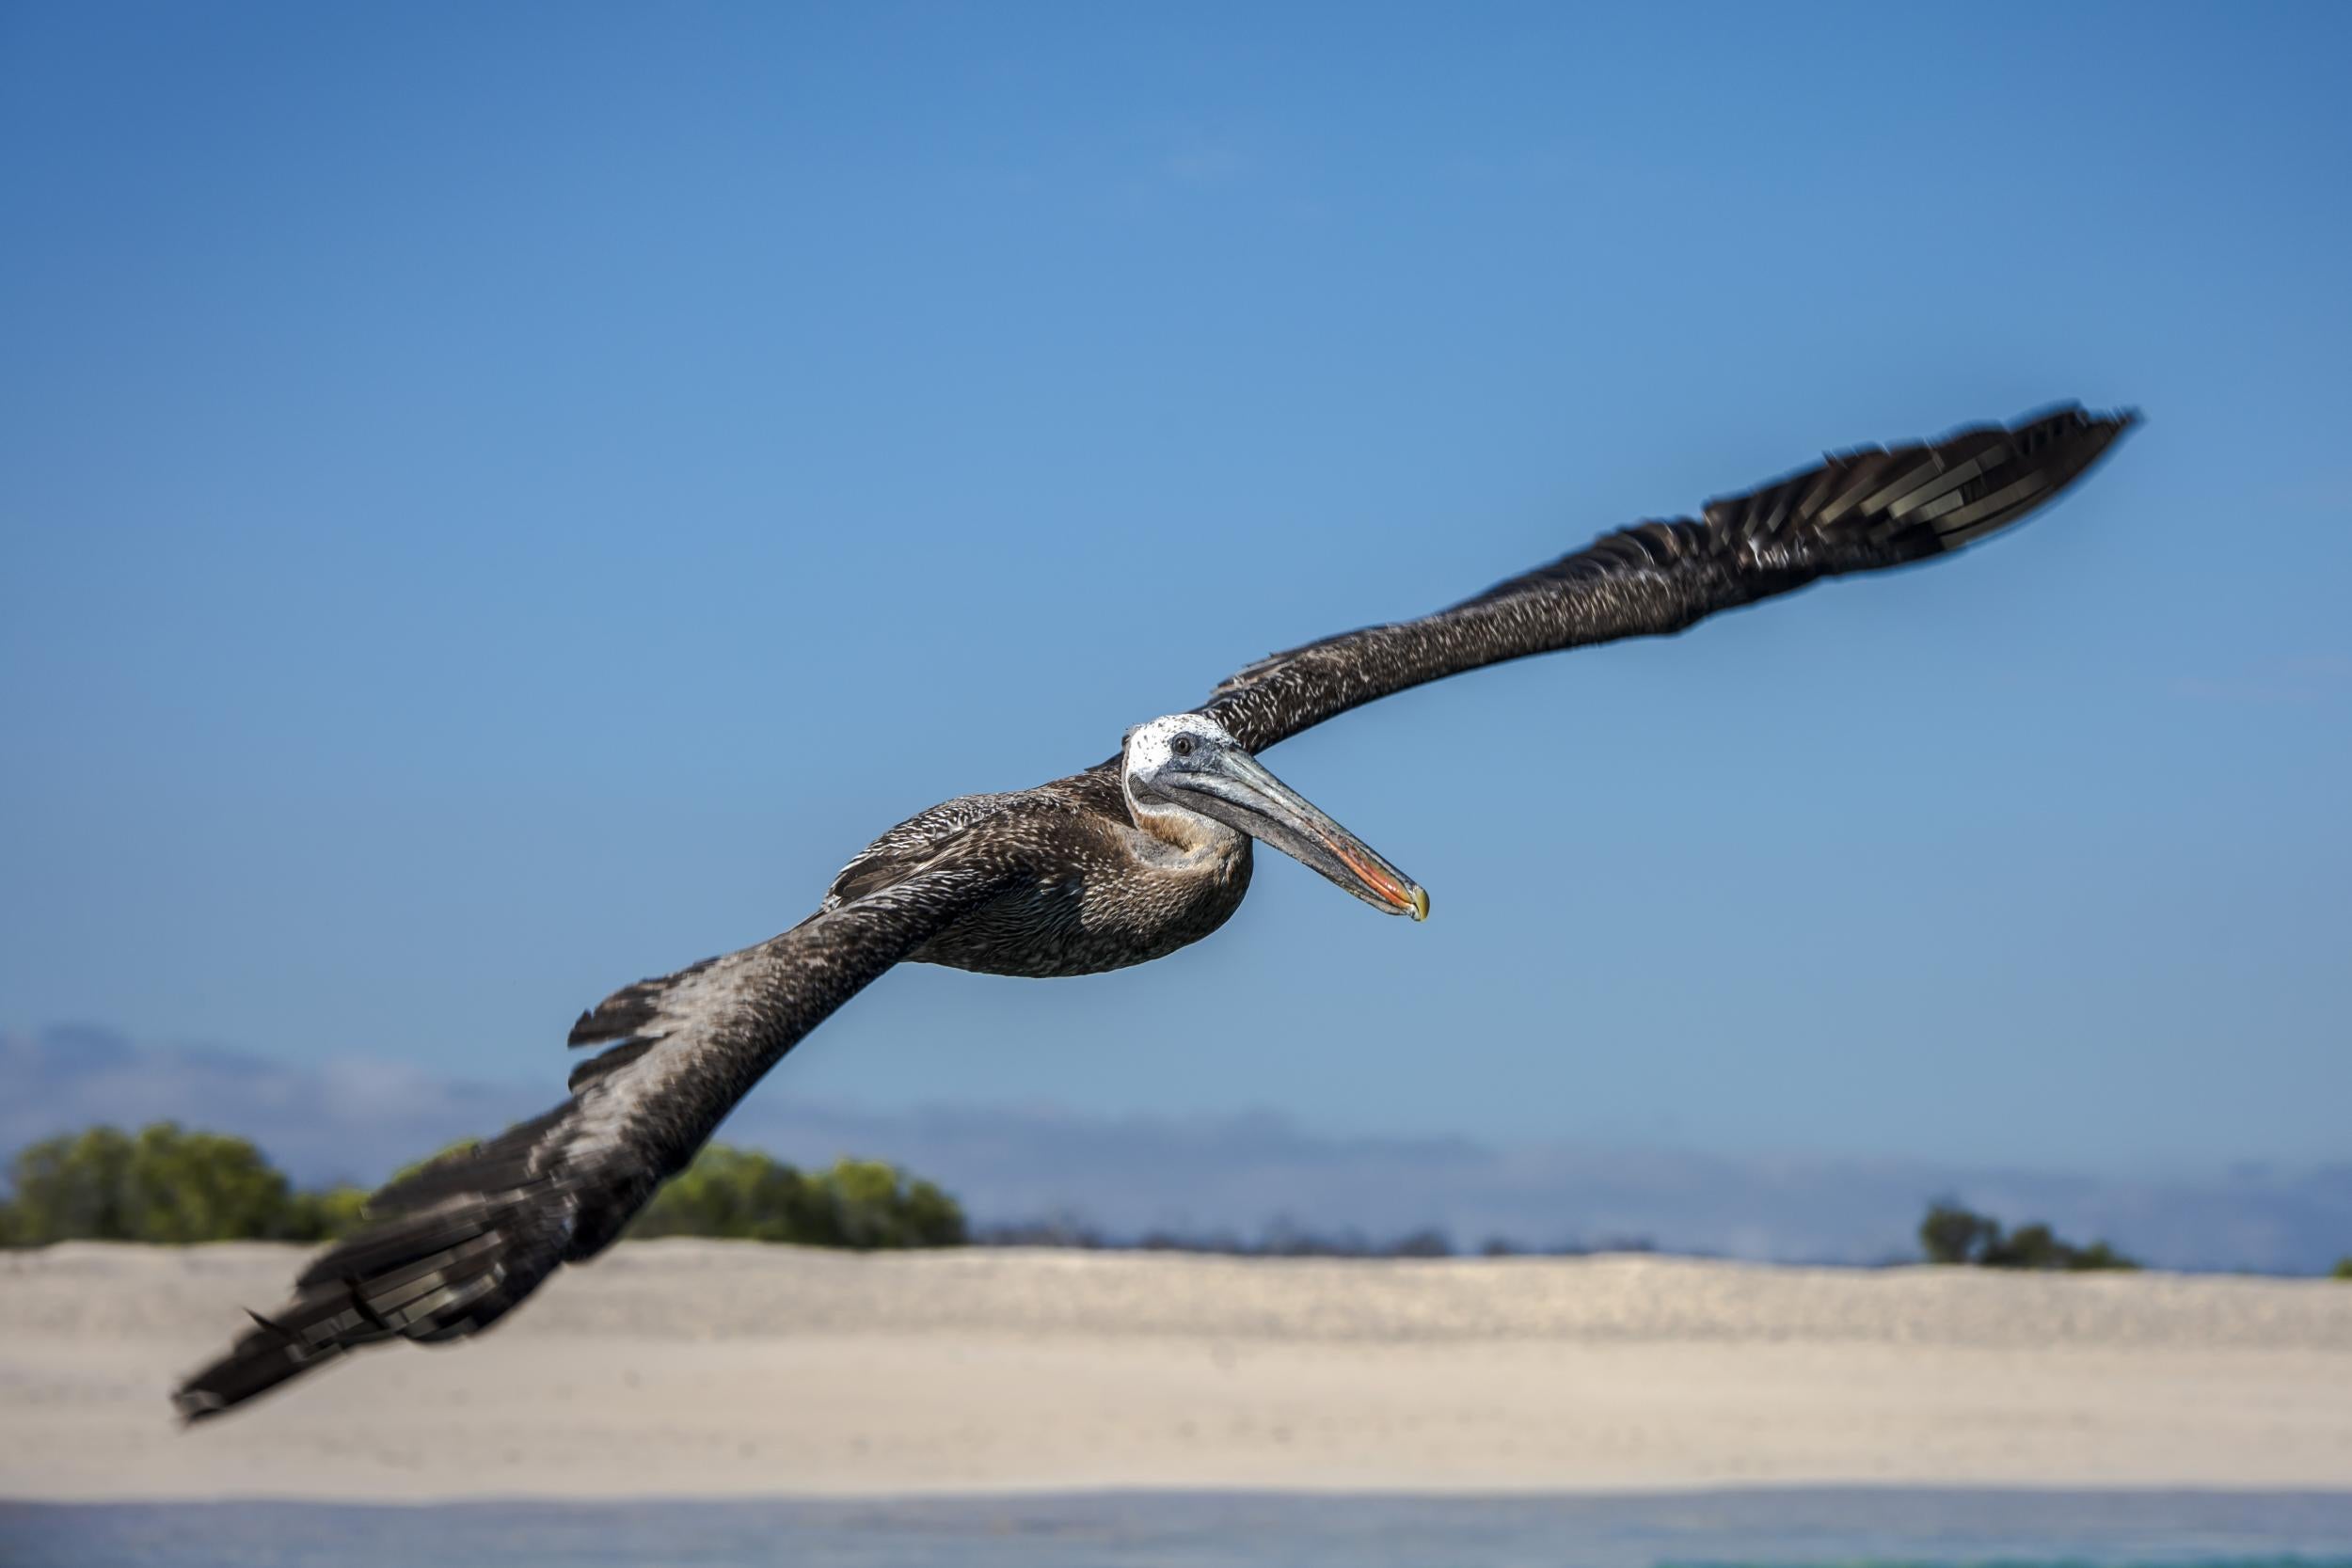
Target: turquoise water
(2017, 1529)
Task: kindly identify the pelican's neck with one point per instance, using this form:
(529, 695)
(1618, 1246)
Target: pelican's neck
(1187, 832)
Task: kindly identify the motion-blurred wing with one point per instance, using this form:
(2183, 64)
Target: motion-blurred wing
(457, 1245)
(1858, 511)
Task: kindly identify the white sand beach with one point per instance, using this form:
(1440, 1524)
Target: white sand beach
(696, 1367)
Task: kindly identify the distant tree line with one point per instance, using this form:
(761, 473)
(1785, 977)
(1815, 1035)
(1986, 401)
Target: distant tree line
(1286, 1238)
(162, 1184)
(1951, 1234)
(860, 1204)
(168, 1184)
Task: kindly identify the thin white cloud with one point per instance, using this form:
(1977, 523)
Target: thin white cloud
(1205, 164)
(2302, 679)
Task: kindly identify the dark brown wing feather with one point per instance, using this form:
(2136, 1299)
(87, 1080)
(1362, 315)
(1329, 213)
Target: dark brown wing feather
(454, 1247)
(1857, 511)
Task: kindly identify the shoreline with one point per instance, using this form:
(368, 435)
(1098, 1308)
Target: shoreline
(2198, 1529)
(685, 1368)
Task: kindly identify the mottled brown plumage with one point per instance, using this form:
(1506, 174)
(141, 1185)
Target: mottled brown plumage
(1097, 892)
(1119, 865)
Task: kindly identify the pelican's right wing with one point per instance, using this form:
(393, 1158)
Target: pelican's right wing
(453, 1246)
(1856, 512)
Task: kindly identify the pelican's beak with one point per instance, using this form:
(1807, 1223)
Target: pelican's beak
(1230, 785)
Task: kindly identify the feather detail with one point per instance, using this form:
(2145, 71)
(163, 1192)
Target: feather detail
(1859, 511)
(455, 1245)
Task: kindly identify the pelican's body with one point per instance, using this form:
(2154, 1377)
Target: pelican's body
(1123, 863)
(1098, 891)
(1120, 864)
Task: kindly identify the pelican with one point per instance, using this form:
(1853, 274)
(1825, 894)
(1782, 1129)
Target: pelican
(1121, 863)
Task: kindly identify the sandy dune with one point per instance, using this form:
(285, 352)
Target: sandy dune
(711, 1367)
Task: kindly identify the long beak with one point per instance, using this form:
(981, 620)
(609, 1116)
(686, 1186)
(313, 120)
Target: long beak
(1235, 788)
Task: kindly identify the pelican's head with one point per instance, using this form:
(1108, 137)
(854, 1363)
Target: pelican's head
(1188, 764)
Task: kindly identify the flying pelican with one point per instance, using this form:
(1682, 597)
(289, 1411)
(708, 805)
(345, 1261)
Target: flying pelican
(1124, 862)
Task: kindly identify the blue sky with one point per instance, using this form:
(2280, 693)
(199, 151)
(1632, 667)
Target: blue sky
(496, 502)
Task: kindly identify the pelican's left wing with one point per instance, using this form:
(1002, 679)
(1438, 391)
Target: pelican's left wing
(1857, 511)
(455, 1245)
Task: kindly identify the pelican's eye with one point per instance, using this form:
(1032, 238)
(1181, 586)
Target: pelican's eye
(1182, 744)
